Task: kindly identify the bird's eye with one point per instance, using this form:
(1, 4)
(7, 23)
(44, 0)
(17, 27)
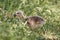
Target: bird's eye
(17, 13)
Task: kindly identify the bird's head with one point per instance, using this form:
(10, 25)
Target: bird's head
(19, 14)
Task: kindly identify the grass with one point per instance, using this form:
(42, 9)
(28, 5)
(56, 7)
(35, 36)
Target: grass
(12, 29)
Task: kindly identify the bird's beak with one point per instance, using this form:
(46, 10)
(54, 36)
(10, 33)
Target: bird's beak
(14, 15)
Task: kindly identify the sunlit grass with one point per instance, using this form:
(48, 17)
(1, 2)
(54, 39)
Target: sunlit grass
(12, 29)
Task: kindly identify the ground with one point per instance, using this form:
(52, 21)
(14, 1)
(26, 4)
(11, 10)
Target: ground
(12, 29)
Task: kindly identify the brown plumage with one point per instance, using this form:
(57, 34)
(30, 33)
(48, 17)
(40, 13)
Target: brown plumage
(32, 21)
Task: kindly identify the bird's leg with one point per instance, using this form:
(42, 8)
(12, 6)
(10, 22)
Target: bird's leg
(25, 23)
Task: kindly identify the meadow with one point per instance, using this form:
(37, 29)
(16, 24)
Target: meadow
(12, 29)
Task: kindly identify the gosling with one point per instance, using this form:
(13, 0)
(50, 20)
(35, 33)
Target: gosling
(32, 21)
